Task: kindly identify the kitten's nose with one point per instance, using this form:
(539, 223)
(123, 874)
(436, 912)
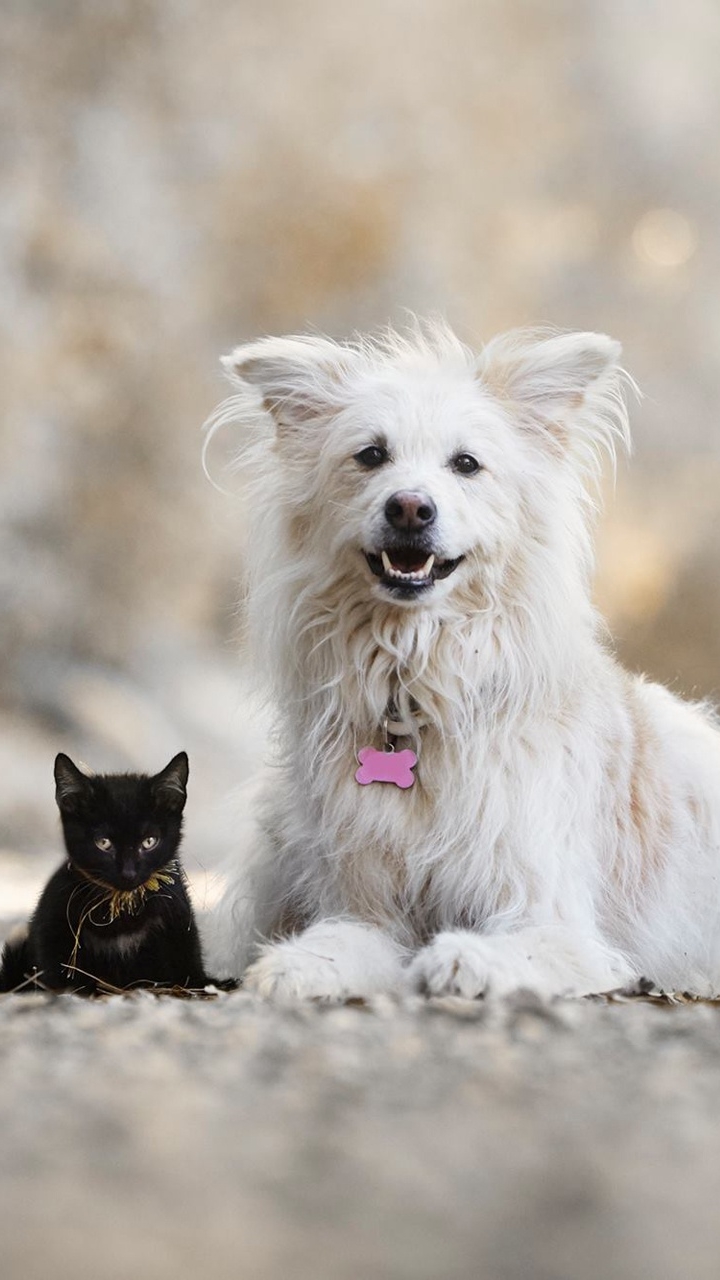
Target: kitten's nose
(128, 872)
(410, 512)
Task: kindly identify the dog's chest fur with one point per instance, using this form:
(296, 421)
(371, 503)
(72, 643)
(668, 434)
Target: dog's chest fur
(402, 857)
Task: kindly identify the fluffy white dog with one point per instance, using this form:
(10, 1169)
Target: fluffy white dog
(470, 795)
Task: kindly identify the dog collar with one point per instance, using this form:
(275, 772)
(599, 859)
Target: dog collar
(389, 765)
(403, 728)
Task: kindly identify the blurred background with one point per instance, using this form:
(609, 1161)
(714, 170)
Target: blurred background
(179, 177)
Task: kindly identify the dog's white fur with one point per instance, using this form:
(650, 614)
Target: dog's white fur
(564, 830)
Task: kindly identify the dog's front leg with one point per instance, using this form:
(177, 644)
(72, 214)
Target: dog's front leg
(330, 960)
(552, 960)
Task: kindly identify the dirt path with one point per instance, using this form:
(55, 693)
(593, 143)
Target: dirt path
(159, 1138)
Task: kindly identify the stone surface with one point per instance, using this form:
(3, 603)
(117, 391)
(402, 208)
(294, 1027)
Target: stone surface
(225, 1138)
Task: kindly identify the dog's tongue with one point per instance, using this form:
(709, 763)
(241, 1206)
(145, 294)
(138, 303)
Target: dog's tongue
(407, 559)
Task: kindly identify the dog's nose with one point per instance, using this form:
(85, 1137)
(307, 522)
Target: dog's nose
(410, 511)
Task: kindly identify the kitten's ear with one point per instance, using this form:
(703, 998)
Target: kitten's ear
(298, 379)
(169, 786)
(70, 784)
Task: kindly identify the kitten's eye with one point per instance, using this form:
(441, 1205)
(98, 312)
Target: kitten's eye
(371, 457)
(150, 842)
(103, 843)
(465, 465)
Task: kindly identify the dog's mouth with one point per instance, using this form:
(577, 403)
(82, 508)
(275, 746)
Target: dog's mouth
(407, 570)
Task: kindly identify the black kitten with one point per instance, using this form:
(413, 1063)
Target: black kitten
(117, 914)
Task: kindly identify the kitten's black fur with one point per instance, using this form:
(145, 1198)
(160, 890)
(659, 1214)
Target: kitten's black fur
(89, 931)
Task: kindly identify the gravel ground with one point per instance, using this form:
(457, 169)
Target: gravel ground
(158, 1137)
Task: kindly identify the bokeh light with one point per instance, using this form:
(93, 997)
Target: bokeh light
(664, 238)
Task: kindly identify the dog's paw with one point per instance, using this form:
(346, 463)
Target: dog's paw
(550, 961)
(287, 972)
(468, 965)
(331, 960)
(451, 964)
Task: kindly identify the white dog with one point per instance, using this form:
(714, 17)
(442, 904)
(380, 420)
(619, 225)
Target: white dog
(420, 568)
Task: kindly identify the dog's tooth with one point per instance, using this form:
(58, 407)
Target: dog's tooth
(406, 575)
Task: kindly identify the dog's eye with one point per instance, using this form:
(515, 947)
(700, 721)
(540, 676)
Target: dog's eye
(465, 465)
(373, 456)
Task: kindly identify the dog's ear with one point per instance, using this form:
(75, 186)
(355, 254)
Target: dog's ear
(299, 380)
(567, 388)
(552, 374)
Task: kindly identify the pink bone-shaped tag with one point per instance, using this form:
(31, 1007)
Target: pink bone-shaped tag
(386, 766)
